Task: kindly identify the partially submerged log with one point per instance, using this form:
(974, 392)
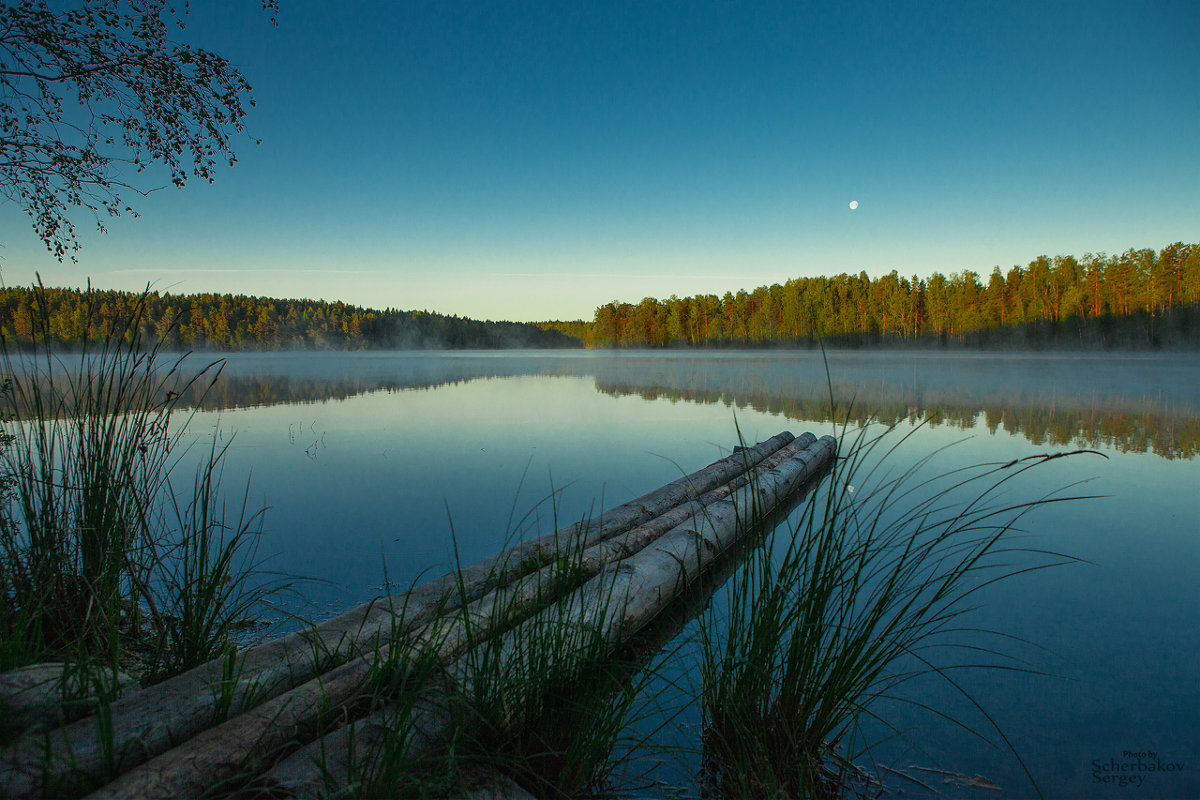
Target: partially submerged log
(199, 729)
(647, 569)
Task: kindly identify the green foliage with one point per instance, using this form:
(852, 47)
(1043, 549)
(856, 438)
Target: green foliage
(868, 591)
(91, 567)
(377, 759)
(1137, 299)
(548, 703)
(539, 700)
(209, 583)
(239, 322)
(93, 94)
(578, 330)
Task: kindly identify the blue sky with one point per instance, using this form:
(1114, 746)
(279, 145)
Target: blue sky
(533, 160)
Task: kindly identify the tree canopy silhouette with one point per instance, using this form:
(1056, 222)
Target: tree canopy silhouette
(94, 96)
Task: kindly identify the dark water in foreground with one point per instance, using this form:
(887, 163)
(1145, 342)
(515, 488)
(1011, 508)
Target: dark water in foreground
(373, 459)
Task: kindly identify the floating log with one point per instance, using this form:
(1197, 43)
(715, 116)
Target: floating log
(626, 593)
(248, 742)
(195, 730)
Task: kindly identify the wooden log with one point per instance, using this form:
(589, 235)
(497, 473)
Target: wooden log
(246, 744)
(451, 634)
(152, 721)
(310, 772)
(45, 695)
(489, 572)
(356, 748)
(623, 599)
(628, 594)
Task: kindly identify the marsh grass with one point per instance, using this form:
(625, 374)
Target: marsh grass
(868, 589)
(374, 756)
(212, 583)
(548, 704)
(538, 699)
(102, 565)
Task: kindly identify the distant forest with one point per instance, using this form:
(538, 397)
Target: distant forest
(1138, 299)
(236, 322)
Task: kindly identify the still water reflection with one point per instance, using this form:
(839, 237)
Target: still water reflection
(1133, 402)
(374, 459)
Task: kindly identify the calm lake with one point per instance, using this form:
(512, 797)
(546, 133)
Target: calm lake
(367, 460)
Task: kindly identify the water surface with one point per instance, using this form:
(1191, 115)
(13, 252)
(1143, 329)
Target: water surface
(369, 460)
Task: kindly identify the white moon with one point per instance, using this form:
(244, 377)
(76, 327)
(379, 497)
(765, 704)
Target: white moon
(853, 204)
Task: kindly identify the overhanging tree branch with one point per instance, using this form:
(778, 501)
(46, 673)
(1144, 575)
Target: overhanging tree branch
(91, 94)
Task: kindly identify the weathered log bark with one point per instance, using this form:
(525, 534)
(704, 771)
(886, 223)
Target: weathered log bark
(358, 747)
(39, 696)
(253, 738)
(154, 720)
(622, 599)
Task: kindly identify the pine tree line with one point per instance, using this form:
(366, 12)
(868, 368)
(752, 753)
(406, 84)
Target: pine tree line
(1138, 298)
(229, 322)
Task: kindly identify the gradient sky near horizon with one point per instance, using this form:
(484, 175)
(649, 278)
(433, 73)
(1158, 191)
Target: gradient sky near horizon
(533, 160)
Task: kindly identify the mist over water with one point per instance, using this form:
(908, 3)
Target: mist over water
(369, 460)
(1134, 402)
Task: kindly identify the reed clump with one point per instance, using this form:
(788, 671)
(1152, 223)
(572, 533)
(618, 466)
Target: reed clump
(548, 703)
(104, 565)
(519, 691)
(866, 590)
